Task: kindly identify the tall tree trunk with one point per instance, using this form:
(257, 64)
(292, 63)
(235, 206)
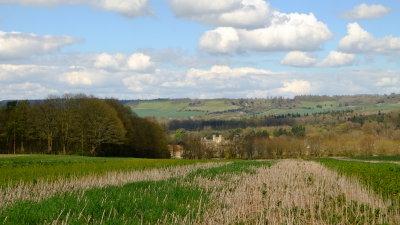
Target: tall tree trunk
(22, 146)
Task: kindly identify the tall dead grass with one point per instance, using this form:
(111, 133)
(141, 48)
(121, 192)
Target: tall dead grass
(296, 192)
(45, 189)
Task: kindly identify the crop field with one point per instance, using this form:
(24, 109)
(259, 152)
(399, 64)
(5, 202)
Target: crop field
(213, 106)
(163, 109)
(181, 108)
(379, 158)
(290, 191)
(32, 168)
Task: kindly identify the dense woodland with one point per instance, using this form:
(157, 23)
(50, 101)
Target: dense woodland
(79, 124)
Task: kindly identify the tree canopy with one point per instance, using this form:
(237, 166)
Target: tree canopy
(79, 124)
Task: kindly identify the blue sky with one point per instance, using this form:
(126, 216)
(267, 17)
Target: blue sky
(198, 48)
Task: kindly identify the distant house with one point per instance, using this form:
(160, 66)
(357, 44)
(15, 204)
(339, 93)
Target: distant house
(217, 144)
(176, 151)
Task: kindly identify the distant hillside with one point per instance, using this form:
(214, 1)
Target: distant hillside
(244, 108)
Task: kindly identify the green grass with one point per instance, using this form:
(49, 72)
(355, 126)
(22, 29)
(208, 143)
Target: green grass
(170, 109)
(383, 178)
(324, 104)
(231, 169)
(213, 106)
(135, 203)
(376, 107)
(378, 158)
(31, 168)
(182, 109)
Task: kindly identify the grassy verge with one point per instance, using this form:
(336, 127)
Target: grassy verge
(32, 168)
(378, 158)
(383, 178)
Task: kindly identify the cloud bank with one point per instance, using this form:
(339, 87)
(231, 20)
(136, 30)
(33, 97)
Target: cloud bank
(287, 32)
(128, 8)
(14, 45)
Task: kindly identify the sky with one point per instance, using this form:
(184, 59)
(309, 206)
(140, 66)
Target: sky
(147, 49)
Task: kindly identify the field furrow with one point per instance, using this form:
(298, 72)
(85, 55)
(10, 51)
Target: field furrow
(297, 192)
(272, 192)
(45, 189)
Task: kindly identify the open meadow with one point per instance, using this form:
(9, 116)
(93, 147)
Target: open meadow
(47, 189)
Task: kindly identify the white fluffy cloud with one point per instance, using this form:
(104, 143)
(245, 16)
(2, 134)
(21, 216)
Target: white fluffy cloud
(302, 32)
(359, 40)
(364, 11)
(110, 61)
(118, 61)
(139, 82)
(221, 76)
(129, 8)
(297, 87)
(227, 13)
(299, 59)
(139, 62)
(80, 78)
(223, 40)
(337, 59)
(14, 45)
(34, 81)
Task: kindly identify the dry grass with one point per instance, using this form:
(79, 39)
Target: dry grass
(45, 189)
(295, 192)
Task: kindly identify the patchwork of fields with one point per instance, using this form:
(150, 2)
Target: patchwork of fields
(83, 190)
(231, 108)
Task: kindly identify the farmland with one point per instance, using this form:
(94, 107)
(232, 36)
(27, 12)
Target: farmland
(32, 168)
(244, 108)
(138, 191)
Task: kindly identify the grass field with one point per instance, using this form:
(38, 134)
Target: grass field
(383, 177)
(213, 106)
(32, 168)
(379, 158)
(219, 192)
(185, 108)
(181, 108)
(160, 108)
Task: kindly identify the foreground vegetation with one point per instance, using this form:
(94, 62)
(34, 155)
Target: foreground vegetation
(35, 168)
(239, 192)
(381, 177)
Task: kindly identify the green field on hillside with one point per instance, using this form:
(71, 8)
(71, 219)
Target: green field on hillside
(213, 106)
(222, 108)
(171, 109)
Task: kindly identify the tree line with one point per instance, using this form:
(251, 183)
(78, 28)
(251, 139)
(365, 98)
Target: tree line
(79, 124)
(273, 120)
